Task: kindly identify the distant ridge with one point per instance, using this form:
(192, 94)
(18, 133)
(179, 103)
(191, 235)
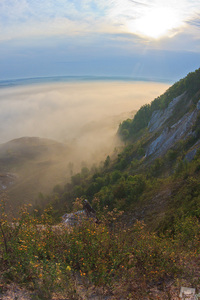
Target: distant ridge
(40, 80)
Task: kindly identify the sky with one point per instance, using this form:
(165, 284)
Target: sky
(152, 39)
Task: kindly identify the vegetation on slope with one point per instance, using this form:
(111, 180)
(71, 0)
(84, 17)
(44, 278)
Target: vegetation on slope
(131, 183)
(126, 261)
(156, 241)
(190, 84)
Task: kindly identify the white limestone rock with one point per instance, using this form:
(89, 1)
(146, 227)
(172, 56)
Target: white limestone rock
(169, 136)
(159, 117)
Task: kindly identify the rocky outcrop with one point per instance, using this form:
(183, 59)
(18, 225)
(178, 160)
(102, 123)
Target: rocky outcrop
(169, 135)
(192, 151)
(159, 117)
(76, 218)
(190, 155)
(73, 219)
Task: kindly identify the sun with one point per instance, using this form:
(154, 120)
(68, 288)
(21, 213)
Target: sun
(156, 23)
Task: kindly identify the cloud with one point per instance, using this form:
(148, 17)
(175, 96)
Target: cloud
(23, 19)
(48, 38)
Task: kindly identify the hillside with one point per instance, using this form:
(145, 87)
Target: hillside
(30, 165)
(146, 243)
(159, 156)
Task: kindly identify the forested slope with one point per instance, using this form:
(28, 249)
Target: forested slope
(146, 244)
(161, 153)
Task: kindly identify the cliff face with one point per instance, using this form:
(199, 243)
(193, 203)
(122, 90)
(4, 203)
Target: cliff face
(159, 117)
(170, 118)
(166, 132)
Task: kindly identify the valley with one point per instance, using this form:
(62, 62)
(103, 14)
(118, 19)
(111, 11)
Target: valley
(145, 194)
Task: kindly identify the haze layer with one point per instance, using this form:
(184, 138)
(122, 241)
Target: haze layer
(84, 116)
(61, 111)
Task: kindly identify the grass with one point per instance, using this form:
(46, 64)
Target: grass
(47, 258)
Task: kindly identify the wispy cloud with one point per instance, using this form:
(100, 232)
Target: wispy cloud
(22, 18)
(35, 34)
(195, 21)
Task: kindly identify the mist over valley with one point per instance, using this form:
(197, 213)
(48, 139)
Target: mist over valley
(50, 131)
(99, 149)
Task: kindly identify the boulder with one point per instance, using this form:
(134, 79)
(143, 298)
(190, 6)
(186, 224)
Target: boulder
(88, 213)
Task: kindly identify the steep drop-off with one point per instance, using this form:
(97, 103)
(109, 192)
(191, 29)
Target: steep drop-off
(159, 156)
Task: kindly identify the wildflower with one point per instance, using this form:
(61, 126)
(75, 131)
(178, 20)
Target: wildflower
(68, 268)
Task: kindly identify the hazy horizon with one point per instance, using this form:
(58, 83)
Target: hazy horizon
(24, 81)
(140, 39)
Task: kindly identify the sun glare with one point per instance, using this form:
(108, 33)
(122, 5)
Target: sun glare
(156, 23)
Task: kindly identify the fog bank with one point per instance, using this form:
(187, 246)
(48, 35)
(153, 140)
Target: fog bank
(84, 117)
(63, 111)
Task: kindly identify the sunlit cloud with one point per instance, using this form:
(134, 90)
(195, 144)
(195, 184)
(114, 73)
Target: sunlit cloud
(39, 37)
(156, 23)
(155, 19)
(22, 18)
